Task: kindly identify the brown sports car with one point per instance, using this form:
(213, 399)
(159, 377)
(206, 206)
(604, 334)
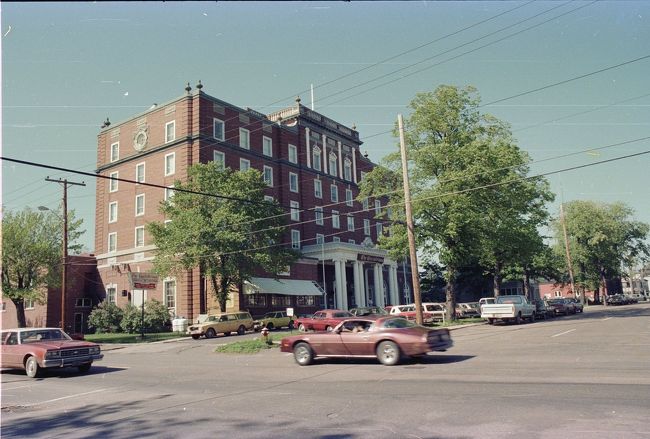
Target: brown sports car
(385, 338)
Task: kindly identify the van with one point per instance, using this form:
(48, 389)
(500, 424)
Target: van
(224, 323)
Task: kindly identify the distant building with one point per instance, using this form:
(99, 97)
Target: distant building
(309, 162)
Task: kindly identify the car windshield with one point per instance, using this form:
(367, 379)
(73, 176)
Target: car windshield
(43, 334)
(397, 323)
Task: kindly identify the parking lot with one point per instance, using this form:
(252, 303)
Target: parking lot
(581, 376)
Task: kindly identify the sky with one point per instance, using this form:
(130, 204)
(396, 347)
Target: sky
(571, 78)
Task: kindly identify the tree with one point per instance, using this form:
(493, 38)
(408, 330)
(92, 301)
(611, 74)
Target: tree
(106, 317)
(603, 239)
(32, 255)
(226, 238)
(454, 151)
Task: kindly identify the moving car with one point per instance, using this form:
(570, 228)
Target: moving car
(272, 320)
(386, 338)
(35, 349)
(225, 324)
(323, 320)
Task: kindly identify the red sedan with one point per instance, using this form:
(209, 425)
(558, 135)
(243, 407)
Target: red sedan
(34, 349)
(385, 338)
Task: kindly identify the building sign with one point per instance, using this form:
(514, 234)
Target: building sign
(369, 258)
(143, 281)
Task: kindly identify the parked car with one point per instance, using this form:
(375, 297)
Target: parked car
(323, 320)
(386, 338)
(485, 301)
(467, 310)
(368, 311)
(408, 312)
(543, 310)
(35, 349)
(579, 307)
(437, 310)
(272, 320)
(509, 308)
(560, 306)
(225, 324)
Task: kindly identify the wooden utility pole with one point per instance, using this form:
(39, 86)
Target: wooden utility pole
(568, 253)
(64, 269)
(415, 276)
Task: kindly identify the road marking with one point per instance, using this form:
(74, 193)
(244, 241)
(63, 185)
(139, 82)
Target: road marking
(606, 318)
(62, 398)
(562, 333)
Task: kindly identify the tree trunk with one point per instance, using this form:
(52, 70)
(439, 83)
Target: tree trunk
(497, 279)
(450, 293)
(603, 284)
(527, 291)
(20, 312)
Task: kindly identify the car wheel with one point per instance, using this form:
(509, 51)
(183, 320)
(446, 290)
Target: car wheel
(269, 326)
(195, 336)
(242, 330)
(303, 354)
(566, 312)
(388, 353)
(32, 369)
(490, 321)
(210, 333)
(532, 318)
(518, 319)
(290, 325)
(302, 328)
(84, 367)
(328, 328)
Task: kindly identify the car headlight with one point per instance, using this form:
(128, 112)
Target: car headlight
(94, 350)
(49, 355)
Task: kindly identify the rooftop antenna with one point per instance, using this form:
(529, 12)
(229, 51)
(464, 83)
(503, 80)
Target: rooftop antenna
(312, 98)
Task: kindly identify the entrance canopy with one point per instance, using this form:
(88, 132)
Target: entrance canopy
(288, 287)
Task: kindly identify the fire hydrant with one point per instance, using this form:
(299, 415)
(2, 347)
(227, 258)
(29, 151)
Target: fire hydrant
(265, 335)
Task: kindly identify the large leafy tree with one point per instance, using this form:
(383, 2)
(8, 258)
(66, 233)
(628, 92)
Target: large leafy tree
(454, 150)
(225, 237)
(32, 254)
(603, 240)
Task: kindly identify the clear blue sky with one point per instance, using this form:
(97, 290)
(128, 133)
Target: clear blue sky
(68, 66)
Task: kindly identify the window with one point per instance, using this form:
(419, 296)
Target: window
(293, 153)
(295, 239)
(244, 138)
(255, 300)
(112, 185)
(336, 239)
(170, 131)
(112, 242)
(350, 224)
(348, 197)
(139, 236)
(363, 175)
(220, 159)
(112, 212)
(269, 198)
(316, 158)
(336, 223)
(293, 182)
(320, 238)
(169, 193)
(277, 300)
(170, 164)
(377, 207)
(244, 165)
(29, 303)
(380, 229)
(347, 169)
(169, 288)
(295, 210)
(305, 300)
(218, 129)
(268, 175)
(332, 164)
(139, 172)
(111, 293)
(318, 211)
(366, 227)
(318, 188)
(267, 146)
(139, 205)
(351, 241)
(365, 203)
(115, 151)
(334, 193)
(83, 302)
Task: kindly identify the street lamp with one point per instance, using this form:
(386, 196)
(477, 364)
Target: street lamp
(64, 270)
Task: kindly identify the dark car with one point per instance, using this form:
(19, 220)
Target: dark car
(386, 338)
(560, 306)
(368, 311)
(35, 349)
(579, 307)
(543, 310)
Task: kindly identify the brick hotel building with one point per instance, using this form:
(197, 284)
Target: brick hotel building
(312, 165)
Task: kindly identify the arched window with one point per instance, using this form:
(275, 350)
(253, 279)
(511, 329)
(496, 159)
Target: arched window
(316, 158)
(347, 169)
(332, 164)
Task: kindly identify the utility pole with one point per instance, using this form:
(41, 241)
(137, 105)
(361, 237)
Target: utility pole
(568, 254)
(409, 225)
(64, 269)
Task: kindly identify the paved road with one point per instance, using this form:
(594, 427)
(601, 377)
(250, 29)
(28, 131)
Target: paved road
(583, 376)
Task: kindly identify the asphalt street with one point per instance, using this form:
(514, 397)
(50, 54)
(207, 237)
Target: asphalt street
(582, 376)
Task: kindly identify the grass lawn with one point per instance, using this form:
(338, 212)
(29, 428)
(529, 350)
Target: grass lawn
(246, 346)
(133, 338)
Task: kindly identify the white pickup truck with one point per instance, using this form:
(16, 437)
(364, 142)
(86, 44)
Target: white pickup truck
(508, 308)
